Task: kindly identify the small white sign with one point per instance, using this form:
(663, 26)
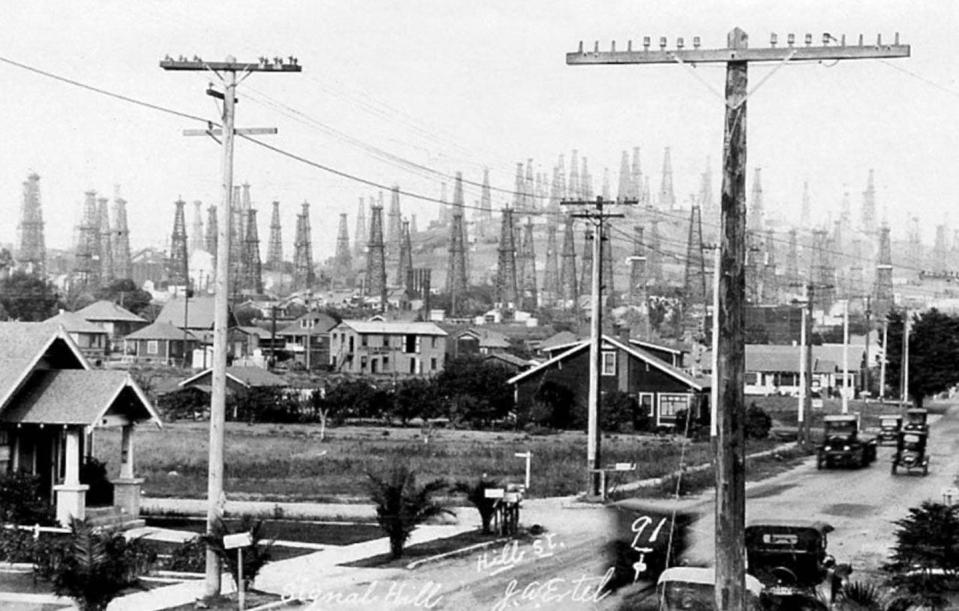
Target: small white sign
(494, 493)
(238, 540)
(817, 403)
(624, 466)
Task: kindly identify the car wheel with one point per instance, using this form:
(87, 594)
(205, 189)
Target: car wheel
(925, 469)
(894, 467)
(818, 462)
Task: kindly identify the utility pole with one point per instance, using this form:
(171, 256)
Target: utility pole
(803, 385)
(226, 73)
(845, 356)
(730, 454)
(714, 347)
(882, 365)
(597, 217)
(905, 357)
(865, 370)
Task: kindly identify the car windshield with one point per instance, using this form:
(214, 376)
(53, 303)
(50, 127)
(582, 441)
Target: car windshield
(685, 596)
(840, 429)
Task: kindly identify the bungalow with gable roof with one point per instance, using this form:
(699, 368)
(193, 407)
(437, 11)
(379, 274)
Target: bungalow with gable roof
(660, 389)
(160, 343)
(51, 400)
(115, 319)
(89, 337)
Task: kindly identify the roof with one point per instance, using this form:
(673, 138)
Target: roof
(697, 384)
(563, 338)
(258, 331)
(705, 576)
(52, 395)
(247, 376)
(73, 322)
(399, 328)
(487, 338)
(324, 322)
(823, 527)
(108, 311)
(840, 417)
(775, 358)
(511, 359)
(22, 345)
(199, 313)
(161, 330)
(672, 349)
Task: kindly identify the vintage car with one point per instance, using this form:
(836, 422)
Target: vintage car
(692, 588)
(889, 425)
(911, 451)
(790, 558)
(844, 444)
(916, 419)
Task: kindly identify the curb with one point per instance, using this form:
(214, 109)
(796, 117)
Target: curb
(455, 552)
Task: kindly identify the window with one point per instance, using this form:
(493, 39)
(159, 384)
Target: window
(413, 365)
(433, 345)
(5, 451)
(364, 341)
(153, 347)
(409, 344)
(751, 378)
(433, 364)
(670, 404)
(363, 363)
(386, 363)
(609, 363)
(646, 402)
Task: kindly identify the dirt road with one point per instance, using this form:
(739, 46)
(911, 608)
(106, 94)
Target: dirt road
(564, 569)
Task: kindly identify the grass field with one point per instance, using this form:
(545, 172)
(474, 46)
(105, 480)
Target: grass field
(784, 411)
(290, 463)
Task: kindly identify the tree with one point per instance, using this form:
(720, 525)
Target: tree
(126, 293)
(553, 405)
(255, 556)
(933, 351)
(415, 398)
(476, 494)
(475, 389)
(617, 411)
(401, 505)
(925, 559)
(28, 297)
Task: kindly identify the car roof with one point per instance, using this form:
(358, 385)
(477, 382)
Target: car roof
(885, 416)
(840, 417)
(823, 527)
(705, 576)
(917, 410)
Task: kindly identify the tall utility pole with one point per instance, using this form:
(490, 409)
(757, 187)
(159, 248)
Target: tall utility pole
(597, 218)
(730, 454)
(905, 357)
(845, 356)
(226, 72)
(865, 370)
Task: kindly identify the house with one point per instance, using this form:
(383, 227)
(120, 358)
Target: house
(160, 343)
(239, 380)
(117, 320)
(674, 355)
(195, 314)
(476, 340)
(50, 399)
(90, 338)
(308, 339)
(510, 361)
(658, 387)
(374, 347)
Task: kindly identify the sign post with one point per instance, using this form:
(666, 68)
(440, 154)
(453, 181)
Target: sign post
(238, 541)
(528, 454)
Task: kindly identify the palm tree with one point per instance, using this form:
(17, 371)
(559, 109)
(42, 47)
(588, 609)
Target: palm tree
(476, 494)
(401, 505)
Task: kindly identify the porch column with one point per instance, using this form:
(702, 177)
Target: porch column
(71, 494)
(126, 488)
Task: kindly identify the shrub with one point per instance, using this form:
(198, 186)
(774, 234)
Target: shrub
(16, 545)
(618, 412)
(757, 422)
(925, 557)
(552, 405)
(22, 500)
(401, 505)
(255, 556)
(92, 567)
(476, 494)
(189, 556)
(93, 473)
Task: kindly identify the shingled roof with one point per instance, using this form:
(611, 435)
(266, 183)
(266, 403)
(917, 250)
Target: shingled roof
(73, 322)
(23, 344)
(247, 376)
(107, 311)
(162, 331)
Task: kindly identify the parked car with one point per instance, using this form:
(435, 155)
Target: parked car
(844, 444)
(889, 425)
(791, 560)
(916, 419)
(911, 451)
(692, 588)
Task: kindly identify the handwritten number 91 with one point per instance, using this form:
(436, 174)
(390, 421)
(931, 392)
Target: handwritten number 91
(640, 525)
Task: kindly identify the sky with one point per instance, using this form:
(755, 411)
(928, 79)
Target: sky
(452, 86)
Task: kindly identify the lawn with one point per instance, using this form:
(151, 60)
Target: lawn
(290, 463)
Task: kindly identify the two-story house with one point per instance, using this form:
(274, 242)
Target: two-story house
(381, 347)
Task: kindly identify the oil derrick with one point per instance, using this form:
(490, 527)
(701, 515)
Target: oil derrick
(636, 179)
(609, 286)
(854, 279)
(694, 280)
(654, 261)
(915, 245)
(824, 274)
(236, 242)
(939, 263)
(707, 203)
(31, 251)
(567, 274)
(406, 258)
(624, 188)
(606, 193)
(882, 291)
(86, 266)
(574, 190)
(485, 213)
(837, 258)
(246, 204)
(303, 276)
(770, 284)
(586, 181)
(394, 225)
(519, 188)
(105, 242)
(196, 236)
(667, 198)
(342, 260)
(552, 207)
(529, 190)
(444, 207)
(414, 230)
(550, 292)
(805, 214)
(456, 284)
(274, 253)
(252, 264)
(755, 220)
(459, 208)
(360, 235)
(586, 267)
(637, 270)
(527, 288)
(376, 258)
(211, 237)
(177, 262)
(646, 193)
(868, 213)
(506, 285)
(122, 267)
(561, 191)
(792, 259)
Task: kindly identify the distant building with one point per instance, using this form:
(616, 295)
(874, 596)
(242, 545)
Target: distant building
(116, 320)
(160, 343)
(90, 338)
(307, 339)
(404, 348)
(239, 380)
